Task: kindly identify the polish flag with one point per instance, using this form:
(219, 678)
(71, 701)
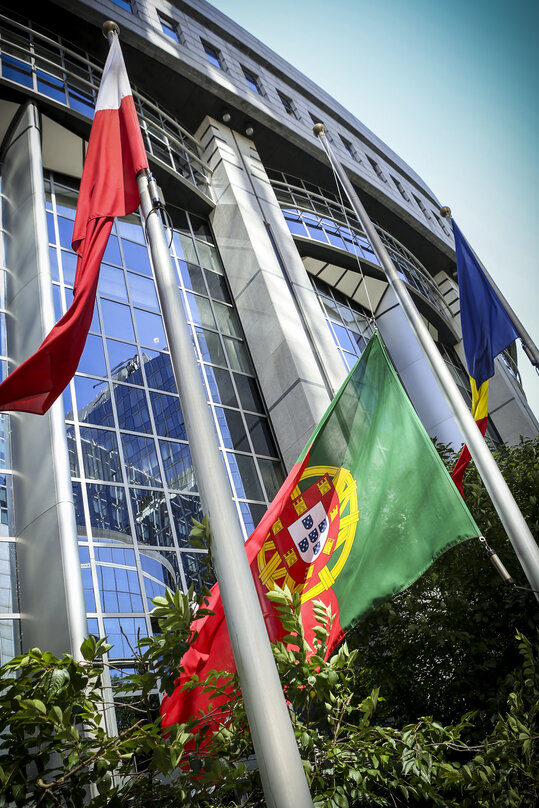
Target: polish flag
(108, 188)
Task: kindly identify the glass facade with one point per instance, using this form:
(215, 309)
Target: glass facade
(133, 481)
(350, 327)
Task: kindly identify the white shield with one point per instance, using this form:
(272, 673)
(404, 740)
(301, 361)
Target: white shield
(310, 531)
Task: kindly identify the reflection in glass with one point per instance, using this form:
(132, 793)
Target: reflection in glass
(112, 283)
(272, 476)
(72, 451)
(108, 511)
(159, 373)
(141, 460)
(221, 387)
(142, 291)
(237, 355)
(178, 466)
(152, 524)
(210, 347)
(119, 589)
(184, 510)
(232, 429)
(132, 408)
(124, 362)
(168, 416)
(117, 320)
(100, 454)
(261, 436)
(92, 360)
(93, 401)
(151, 332)
(123, 633)
(248, 393)
(244, 476)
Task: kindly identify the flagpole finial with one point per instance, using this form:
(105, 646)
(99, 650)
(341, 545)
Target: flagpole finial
(110, 27)
(318, 129)
(445, 212)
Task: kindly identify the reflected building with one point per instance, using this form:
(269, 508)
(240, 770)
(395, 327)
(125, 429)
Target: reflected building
(277, 279)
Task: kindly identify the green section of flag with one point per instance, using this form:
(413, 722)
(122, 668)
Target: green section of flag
(409, 510)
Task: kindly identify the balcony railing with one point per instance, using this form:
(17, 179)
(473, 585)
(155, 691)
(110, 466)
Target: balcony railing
(312, 215)
(49, 66)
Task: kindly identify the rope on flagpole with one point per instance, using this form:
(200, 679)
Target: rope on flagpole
(372, 318)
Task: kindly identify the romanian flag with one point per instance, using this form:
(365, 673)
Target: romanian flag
(486, 331)
(108, 188)
(364, 512)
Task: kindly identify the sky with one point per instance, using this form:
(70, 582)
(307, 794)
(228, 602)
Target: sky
(453, 88)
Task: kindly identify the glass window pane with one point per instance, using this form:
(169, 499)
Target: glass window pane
(133, 627)
(92, 360)
(184, 510)
(218, 287)
(152, 522)
(210, 347)
(200, 311)
(132, 408)
(237, 355)
(244, 476)
(248, 393)
(69, 266)
(232, 429)
(141, 460)
(112, 283)
(192, 278)
(142, 291)
(119, 589)
(228, 320)
(93, 401)
(260, 433)
(209, 257)
(65, 231)
(136, 257)
(112, 251)
(100, 453)
(272, 475)
(150, 329)
(168, 416)
(108, 512)
(221, 387)
(72, 451)
(178, 466)
(124, 362)
(130, 228)
(117, 320)
(195, 571)
(159, 373)
(53, 259)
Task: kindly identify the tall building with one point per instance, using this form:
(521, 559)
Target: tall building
(278, 281)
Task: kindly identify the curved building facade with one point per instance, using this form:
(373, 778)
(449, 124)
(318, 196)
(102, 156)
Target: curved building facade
(277, 278)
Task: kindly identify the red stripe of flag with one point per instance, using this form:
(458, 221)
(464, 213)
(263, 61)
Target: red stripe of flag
(108, 188)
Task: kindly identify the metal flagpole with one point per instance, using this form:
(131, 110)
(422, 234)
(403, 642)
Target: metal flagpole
(278, 758)
(528, 345)
(502, 499)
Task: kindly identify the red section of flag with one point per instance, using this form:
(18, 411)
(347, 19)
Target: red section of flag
(108, 188)
(464, 458)
(212, 651)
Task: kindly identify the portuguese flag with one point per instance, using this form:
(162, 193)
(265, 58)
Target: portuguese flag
(364, 512)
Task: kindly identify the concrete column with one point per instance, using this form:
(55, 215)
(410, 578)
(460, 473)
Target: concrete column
(414, 372)
(53, 615)
(295, 359)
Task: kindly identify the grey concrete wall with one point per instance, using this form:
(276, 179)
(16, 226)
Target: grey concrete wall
(51, 595)
(294, 356)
